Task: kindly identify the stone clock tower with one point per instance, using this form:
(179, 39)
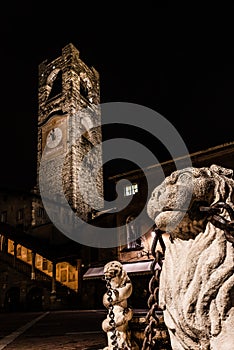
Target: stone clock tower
(69, 130)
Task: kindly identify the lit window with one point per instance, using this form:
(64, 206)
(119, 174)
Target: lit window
(38, 261)
(19, 251)
(50, 266)
(63, 275)
(44, 264)
(130, 190)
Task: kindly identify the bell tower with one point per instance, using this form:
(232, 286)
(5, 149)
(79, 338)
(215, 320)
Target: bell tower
(69, 129)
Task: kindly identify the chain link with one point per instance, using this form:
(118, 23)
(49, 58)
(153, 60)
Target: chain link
(217, 220)
(111, 315)
(153, 320)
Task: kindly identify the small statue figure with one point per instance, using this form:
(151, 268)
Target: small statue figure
(115, 300)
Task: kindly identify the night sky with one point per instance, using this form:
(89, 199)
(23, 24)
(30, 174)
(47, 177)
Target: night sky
(175, 59)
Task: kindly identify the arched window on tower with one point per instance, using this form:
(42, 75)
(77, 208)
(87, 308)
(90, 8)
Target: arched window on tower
(84, 89)
(85, 86)
(56, 88)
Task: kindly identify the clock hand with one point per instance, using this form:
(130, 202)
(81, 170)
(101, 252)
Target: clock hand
(53, 136)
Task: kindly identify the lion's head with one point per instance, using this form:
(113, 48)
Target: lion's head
(174, 205)
(115, 272)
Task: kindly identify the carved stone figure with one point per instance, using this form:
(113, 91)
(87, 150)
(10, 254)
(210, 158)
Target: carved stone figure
(116, 297)
(197, 281)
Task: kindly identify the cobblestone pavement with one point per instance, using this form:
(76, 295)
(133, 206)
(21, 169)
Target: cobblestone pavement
(68, 330)
(56, 330)
(89, 341)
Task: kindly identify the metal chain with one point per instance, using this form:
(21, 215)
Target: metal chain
(150, 342)
(111, 315)
(219, 221)
(152, 318)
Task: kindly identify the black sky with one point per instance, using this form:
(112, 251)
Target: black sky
(177, 59)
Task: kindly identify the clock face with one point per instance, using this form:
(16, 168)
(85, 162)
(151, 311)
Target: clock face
(54, 137)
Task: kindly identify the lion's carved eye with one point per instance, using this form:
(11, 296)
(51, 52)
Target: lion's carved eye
(185, 177)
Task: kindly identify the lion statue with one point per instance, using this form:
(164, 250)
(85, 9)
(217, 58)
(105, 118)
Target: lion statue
(120, 289)
(196, 290)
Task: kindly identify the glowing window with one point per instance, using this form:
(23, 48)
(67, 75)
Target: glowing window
(130, 190)
(63, 275)
(44, 264)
